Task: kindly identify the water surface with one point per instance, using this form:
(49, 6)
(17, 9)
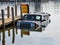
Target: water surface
(50, 35)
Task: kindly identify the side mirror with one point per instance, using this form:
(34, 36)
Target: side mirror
(43, 20)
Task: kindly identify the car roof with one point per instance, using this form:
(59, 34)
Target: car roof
(39, 13)
(32, 14)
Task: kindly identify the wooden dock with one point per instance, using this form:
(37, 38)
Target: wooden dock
(9, 20)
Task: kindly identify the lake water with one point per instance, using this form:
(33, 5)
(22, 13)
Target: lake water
(49, 36)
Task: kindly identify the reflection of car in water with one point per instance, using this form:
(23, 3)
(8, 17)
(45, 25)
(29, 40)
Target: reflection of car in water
(33, 21)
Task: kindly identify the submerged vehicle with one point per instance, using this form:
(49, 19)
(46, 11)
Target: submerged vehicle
(33, 20)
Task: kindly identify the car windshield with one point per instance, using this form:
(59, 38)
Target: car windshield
(32, 17)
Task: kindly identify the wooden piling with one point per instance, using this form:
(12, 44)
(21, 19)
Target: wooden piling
(8, 32)
(21, 12)
(2, 12)
(21, 33)
(13, 35)
(12, 10)
(16, 30)
(0, 35)
(3, 38)
(8, 11)
(15, 10)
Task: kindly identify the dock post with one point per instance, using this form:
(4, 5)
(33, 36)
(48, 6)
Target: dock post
(21, 12)
(15, 10)
(3, 37)
(13, 35)
(8, 32)
(2, 12)
(12, 10)
(8, 11)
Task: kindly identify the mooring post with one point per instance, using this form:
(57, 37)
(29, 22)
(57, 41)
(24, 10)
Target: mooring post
(13, 35)
(2, 12)
(3, 38)
(8, 32)
(8, 11)
(15, 10)
(21, 12)
(12, 10)
(21, 33)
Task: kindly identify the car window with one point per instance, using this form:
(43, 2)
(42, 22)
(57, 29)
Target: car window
(32, 17)
(24, 17)
(38, 17)
(29, 17)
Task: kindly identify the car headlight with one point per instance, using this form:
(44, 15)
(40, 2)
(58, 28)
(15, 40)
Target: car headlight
(36, 25)
(32, 25)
